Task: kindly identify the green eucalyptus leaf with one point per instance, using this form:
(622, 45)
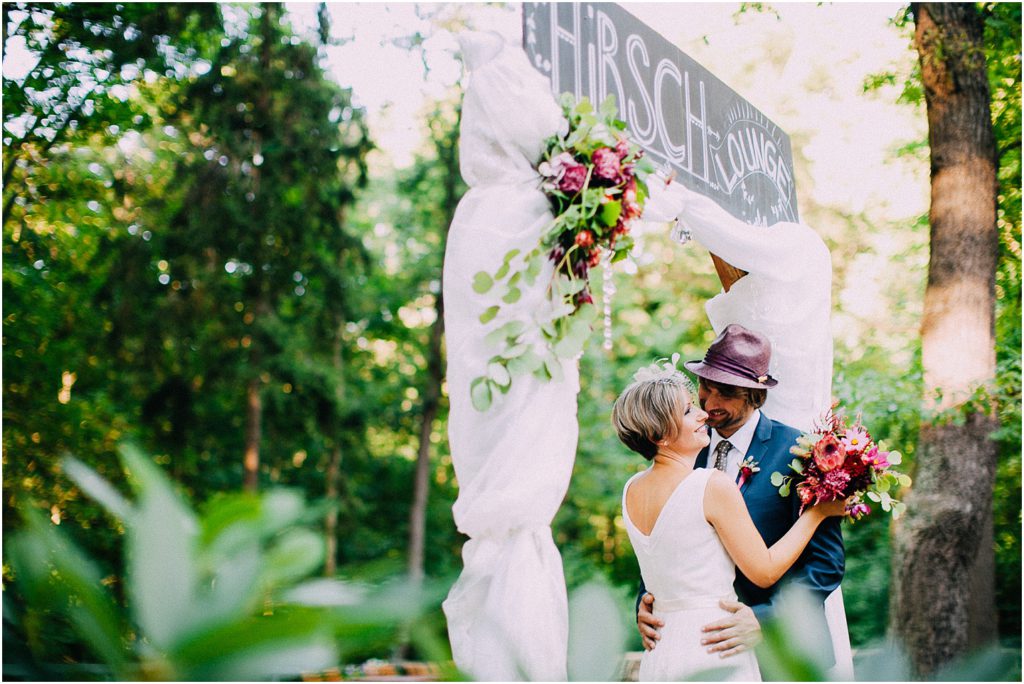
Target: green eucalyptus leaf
(894, 458)
(541, 372)
(482, 282)
(554, 369)
(533, 269)
(510, 330)
(499, 374)
(488, 315)
(512, 296)
(502, 271)
(525, 363)
(777, 479)
(480, 394)
(515, 350)
(874, 496)
(797, 465)
(570, 286)
(569, 346)
(510, 255)
(784, 489)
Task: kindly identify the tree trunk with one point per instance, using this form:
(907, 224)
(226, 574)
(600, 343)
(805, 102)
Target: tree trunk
(331, 519)
(938, 541)
(253, 428)
(333, 475)
(448, 157)
(421, 487)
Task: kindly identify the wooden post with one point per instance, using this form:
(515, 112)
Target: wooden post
(727, 273)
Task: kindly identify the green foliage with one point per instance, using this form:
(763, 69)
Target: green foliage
(220, 595)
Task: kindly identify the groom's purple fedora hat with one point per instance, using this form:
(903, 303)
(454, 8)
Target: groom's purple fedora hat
(737, 357)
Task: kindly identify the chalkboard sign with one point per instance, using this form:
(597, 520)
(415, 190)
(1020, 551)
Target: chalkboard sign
(685, 117)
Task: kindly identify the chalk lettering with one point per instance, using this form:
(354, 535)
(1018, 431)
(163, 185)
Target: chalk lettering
(675, 153)
(644, 132)
(713, 139)
(607, 49)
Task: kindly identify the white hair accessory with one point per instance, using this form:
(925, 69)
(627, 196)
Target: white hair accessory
(664, 371)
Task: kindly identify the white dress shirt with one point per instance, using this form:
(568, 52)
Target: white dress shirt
(740, 441)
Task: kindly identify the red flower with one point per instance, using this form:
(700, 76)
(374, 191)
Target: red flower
(622, 149)
(805, 493)
(630, 206)
(595, 258)
(573, 178)
(584, 238)
(829, 453)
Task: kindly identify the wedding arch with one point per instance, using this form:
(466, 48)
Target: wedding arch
(507, 612)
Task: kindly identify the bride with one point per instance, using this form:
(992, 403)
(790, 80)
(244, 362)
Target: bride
(690, 528)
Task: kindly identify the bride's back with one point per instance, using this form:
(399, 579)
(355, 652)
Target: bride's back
(681, 557)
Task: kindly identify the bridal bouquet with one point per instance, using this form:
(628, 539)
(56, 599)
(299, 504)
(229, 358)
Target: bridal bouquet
(838, 461)
(593, 176)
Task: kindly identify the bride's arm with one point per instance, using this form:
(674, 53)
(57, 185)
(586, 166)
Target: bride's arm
(724, 508)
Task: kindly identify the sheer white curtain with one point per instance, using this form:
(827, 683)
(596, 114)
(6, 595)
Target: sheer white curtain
(787, 296)
(507, 612)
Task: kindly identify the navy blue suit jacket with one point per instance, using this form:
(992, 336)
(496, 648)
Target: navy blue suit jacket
(821, 565)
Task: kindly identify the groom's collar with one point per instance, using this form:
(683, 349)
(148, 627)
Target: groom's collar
(740, 439)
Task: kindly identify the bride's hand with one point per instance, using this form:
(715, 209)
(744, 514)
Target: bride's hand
(830, 509)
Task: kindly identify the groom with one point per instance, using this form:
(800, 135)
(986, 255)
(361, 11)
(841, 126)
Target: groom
(733, 385)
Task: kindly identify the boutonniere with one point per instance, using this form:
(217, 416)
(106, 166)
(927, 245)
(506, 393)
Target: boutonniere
(748, 467)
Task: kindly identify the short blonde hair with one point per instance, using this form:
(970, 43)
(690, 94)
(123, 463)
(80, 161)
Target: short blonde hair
(648, 411)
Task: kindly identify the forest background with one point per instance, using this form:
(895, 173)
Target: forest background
(223, 237)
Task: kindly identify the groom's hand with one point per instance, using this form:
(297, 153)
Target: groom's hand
(738, 632)
(647, 623)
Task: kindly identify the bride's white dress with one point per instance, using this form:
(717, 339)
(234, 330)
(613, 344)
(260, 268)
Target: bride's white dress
(686, 568)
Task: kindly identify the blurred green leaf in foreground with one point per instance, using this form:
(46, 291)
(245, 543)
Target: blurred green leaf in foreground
(222, 595)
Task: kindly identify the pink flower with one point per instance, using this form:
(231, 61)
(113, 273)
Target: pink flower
(573, 178)
(606, 164)
(856, 440)
(622, 149)
(836, 481)
(829, 454)
(876, 459)
(858, 510)
(555, 167)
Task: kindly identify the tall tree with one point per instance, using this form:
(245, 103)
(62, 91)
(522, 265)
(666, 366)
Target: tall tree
(444, 136)
(952, 495)
(277, 152)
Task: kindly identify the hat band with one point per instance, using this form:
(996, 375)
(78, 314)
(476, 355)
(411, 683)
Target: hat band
(724, 363)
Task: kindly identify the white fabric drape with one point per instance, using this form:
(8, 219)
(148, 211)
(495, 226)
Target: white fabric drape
(787, 296)
(507, 612)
